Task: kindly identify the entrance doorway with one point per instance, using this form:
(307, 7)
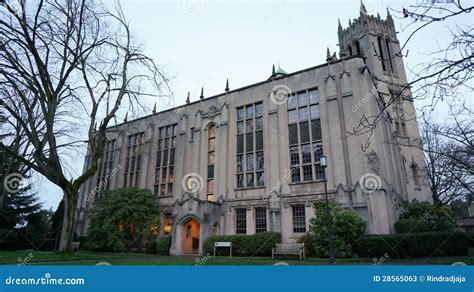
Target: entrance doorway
(191, 232)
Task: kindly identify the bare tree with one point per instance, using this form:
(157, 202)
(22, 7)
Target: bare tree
(448, 181)
(67, 65)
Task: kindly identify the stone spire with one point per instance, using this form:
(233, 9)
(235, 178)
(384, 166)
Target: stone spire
(328, 55)
(363, 11)
(202, 93)
(339, 26)
(154, 109)
(188, 98)
(227, 85)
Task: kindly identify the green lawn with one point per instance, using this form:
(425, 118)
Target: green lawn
(94, 258)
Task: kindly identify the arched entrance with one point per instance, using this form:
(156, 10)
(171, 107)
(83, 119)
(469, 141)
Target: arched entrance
(190, 236)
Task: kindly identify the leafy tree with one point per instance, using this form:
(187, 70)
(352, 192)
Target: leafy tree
(347, 227)
(121, 218)
(39, 226)
(434, 217)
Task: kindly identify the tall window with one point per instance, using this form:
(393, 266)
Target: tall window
(105, 166)
(133, 161)
(250, 157)
(164, 171)
(211, 158)
(299, 219)
(381, 54)
(400, 124)
(241, 220)
(357, 48)
(305, 139)
(389, 54)
(414, 173)
(260, 219)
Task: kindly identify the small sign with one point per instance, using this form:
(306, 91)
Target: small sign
(223, 244)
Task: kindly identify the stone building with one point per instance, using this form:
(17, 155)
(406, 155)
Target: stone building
(248, 160)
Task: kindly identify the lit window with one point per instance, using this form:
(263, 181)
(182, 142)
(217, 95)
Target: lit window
(250, 162)
(304, 137)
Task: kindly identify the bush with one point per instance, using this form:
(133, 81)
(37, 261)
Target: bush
(347, 227)
(429, 217)
(163, 246)
(309, 244)
(411, 225)
(151, 246)
(413, 244)
(259, 244)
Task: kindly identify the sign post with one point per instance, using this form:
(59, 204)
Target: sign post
(223, 244)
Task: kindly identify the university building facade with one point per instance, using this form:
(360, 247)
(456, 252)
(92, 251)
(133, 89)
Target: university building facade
(248, 160)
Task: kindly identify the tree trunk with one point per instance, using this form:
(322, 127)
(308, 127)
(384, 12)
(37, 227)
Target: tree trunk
(69, 220)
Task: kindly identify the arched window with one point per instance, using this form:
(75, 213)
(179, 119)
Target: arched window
(349, 50)
(211, 158)
(381, 56)
(414, 174)
(357, 48)
(387, 43)
(404, 162)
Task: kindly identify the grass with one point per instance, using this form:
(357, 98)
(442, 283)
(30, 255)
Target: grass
(94, 258)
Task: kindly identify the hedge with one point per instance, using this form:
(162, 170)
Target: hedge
(259, 244)
(150, 246)
(163, 246)
(411, 225)
(420, 244)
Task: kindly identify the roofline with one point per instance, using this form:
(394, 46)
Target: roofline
(236, 90)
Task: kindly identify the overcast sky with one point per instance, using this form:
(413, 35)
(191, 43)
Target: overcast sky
(201, 43)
